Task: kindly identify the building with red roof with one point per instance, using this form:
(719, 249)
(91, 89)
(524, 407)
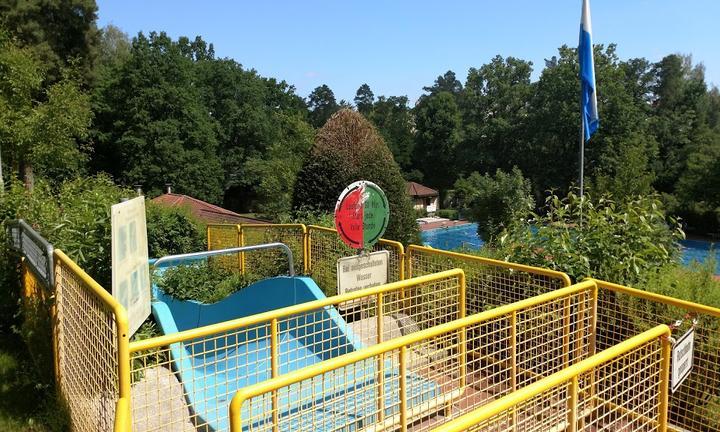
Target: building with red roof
(423, 197)
(203, 211)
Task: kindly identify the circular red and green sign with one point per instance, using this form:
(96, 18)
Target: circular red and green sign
(361, 214)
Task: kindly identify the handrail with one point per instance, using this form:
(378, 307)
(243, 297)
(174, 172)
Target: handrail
(509, 265)
(497, 406)
(199, 332)
(344, 360)
(24, 229)
(214, 252)
(694, 307)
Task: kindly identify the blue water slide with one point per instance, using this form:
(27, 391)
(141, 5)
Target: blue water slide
(213, 368)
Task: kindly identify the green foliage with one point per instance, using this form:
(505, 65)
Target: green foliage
(40, 127)
(364, 99)
(393, 118)
(322, 105)
(57, 32)
(624, 241)
(447, 213)
(348, 149)
(437, 120)
(172, 231)
(74, 217)
(203, 282)
(695, 283)
(495, 202)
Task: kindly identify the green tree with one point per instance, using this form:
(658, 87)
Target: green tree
(40, 137)
(152, 127)
(495, 202)
(437, 122)
(393, 118)
(57, 32)
(322, 105)
(494, 107)
(347, 149)
(446, 82)
(364, 99)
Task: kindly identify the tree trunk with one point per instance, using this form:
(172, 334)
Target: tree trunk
(27, 175)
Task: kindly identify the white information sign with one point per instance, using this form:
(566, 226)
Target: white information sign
(682, 359)
(362, 271)
(130, 270)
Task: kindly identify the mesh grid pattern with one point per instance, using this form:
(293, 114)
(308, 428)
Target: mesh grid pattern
(224, 236)
(87, 349)
(620, 394)
(37, 326)
(325, 248)
(213, 366)
(490, 283)
(273, 262)
(695, 405)
(429, 377)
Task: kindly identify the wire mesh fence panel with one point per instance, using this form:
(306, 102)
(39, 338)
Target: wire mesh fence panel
(185, 380)
(695, 405)
(89, 334)
(620, 389)
(224, 236)
(325, 248)
(273, 262)
(428, 377)
(490, 283)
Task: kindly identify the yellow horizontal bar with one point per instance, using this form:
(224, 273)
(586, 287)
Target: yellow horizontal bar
(392, 243)
(266, 226)
(356, 356)
(221, 225)
(510, 265)
(222, 327)
(506, 402)
(694, 307)
(121, 320)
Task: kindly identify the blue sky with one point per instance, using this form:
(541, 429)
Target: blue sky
(397, 47)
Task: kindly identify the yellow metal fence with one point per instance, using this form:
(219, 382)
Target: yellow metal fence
(623, 388)
(490, 282)
(92, 341)
(213, 361)
(450, 368)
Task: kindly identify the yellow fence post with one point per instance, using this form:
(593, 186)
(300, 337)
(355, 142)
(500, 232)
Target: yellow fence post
(380, 361)
(274, 371)
(573, 405)
(241, 243)
(664, 395)
(513, 364)
(403, 389)
(306, 251)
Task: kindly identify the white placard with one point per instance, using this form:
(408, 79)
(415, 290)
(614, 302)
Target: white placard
(683, 351)
(130, 271)
(362, 271)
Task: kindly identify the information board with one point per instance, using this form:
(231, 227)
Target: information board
(362, 271)
(361, 214)
(130, 270)
(683, 351)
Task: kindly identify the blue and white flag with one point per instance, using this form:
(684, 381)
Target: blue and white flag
(590, 117)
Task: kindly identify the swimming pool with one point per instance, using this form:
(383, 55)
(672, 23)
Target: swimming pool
(466, 236)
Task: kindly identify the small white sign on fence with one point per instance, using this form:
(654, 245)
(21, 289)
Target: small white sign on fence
(362, 271)
(130, 270)
(682, 359)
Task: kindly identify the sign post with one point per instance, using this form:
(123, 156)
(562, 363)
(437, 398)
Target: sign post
(130, 269)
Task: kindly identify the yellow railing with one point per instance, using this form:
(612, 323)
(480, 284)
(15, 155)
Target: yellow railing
(92, 348)
(490, 282)
(213, 361)
(695, 405)
(37, 326)
(272, 262)
(453, 367)
(624, 387)
(324, 248)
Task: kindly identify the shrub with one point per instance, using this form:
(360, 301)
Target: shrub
(447, 213)
(348, 148)
(494, 202)
(623, 242)
(173, 230)
(203, 282)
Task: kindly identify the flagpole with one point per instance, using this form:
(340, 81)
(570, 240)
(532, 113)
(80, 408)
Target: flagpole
(582, 164)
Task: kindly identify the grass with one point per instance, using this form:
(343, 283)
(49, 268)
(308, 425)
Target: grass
(25, 405)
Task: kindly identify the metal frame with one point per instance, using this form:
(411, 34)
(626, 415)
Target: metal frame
(215, 252)
(18, 231)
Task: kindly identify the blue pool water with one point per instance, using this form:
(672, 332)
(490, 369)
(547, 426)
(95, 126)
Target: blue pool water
(466, 236)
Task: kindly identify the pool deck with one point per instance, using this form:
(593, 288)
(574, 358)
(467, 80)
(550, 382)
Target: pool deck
(442, 224)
